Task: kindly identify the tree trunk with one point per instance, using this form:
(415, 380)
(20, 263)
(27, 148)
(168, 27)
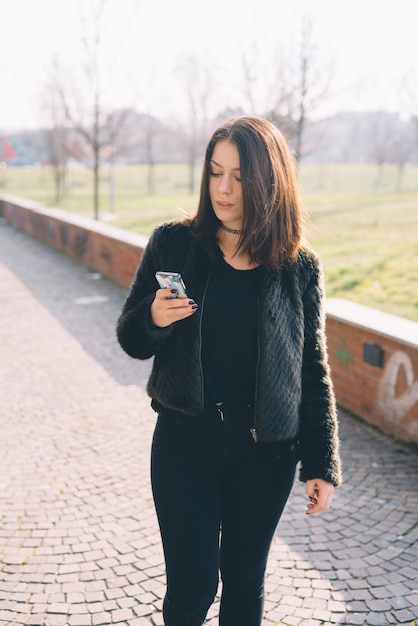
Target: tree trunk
(96, 183)
(57, 177)
(151, 178)
(399, 177)
(191, 169)
(379, 176)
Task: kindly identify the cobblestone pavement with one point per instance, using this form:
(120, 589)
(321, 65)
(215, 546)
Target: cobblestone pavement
(79, 543)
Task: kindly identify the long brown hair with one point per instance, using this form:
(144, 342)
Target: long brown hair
(272, 222)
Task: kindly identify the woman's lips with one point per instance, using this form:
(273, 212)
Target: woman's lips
(224, 205)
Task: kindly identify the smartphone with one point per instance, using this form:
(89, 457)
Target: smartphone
(172, 280)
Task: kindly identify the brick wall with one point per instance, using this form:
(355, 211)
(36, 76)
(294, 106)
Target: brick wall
(374, 361)
(373, 355)
(114, 252)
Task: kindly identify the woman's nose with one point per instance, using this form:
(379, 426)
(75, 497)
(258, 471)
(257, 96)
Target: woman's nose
(225, 184)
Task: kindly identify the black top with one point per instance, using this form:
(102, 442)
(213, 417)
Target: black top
(229, 334)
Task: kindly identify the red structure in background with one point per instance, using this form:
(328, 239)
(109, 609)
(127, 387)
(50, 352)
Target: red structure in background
(7, 152)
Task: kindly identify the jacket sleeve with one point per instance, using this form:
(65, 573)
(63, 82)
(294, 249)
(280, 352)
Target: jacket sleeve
(319, 442)
(136, 333)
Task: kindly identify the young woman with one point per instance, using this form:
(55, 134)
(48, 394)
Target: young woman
(240, 377)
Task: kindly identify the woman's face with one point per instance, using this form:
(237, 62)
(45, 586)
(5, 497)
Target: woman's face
(225, 188)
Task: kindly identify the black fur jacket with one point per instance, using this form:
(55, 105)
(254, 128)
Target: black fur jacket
(294, 390)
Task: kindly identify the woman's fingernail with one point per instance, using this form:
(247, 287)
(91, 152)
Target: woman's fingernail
(194, 306)
(192, 302)
(173, 290)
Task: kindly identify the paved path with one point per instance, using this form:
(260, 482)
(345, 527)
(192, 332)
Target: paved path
(79, 543)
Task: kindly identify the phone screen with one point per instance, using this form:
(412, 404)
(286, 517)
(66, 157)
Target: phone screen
(172, 280)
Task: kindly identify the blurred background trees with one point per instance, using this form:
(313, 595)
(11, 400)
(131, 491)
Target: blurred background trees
(290, 80)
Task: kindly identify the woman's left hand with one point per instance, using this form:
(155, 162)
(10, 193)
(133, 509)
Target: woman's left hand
(320, 494)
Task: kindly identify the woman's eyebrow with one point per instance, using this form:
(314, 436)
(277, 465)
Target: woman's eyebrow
(234, 169)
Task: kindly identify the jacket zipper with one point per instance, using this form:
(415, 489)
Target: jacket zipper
(200, 339)
(253, 430)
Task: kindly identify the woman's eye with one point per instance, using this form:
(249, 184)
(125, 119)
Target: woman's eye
(238, 179)
(215, 174)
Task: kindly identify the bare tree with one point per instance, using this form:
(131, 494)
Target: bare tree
(138, 133)
(56, 134)
(390, 141)
(198, 85)
(251, 76)
(56, 140)
(83, 95)
(303, 82)
(402, 149)
(409, 97)
(150, 129)
(380, 143)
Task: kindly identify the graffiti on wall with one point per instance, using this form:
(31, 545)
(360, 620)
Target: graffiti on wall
(397, 406)
(343, 355)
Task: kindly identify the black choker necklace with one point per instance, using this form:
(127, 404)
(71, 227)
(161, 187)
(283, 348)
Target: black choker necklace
(234, 231)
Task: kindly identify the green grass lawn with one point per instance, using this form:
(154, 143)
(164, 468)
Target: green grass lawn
(366, 236)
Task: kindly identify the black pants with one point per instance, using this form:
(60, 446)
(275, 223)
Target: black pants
(219, 497)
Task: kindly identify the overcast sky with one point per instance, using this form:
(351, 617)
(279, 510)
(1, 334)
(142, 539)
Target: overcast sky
(371, 45)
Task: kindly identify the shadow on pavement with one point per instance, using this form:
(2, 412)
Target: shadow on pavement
(85, 303)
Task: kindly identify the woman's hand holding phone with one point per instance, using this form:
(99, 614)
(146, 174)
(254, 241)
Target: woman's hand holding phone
(169, 305)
